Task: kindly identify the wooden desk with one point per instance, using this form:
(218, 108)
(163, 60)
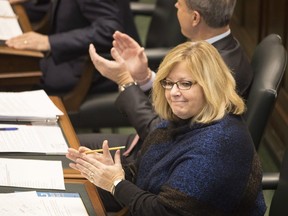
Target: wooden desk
(86, 190)
(65, 124)
(70, 135)
(19, 69)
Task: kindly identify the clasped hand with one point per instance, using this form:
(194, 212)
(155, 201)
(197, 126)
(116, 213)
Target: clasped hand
(100, 169)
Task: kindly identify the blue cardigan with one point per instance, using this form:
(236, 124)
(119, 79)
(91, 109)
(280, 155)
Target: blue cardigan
(197, 170)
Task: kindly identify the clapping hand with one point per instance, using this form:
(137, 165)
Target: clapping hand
(133, 55)
(98, 168)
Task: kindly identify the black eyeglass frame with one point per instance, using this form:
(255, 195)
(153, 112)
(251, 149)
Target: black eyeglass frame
(181, 84)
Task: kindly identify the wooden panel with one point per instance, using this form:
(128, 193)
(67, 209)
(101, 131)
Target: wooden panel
(65, 124)
(23, 18)
(285, 37)
(238, 12)
(19, 69)
(253, 20)
(245, 24)
(274, 18)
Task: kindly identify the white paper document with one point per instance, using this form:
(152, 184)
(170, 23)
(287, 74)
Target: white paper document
(34, 203)
(47, 139)
(9, 25)
(28, 173)
(28, 106)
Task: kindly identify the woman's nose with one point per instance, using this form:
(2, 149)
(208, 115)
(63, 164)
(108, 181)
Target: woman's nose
(175, 91)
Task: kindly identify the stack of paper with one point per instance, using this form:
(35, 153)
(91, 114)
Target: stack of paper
(39, 174)
(28, 106)
(46, 139)
(45, 204)
(35, 107)
(31, 173)
(9, 26)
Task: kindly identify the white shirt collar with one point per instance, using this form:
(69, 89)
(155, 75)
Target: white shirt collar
(218, 37)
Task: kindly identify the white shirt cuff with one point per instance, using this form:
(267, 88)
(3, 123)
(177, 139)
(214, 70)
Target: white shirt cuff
(147, 86)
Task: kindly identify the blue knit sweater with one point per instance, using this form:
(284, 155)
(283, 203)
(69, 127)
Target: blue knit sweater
(196, 170)
(203, 169)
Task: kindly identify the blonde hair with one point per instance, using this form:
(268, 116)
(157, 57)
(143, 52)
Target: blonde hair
(210, 72)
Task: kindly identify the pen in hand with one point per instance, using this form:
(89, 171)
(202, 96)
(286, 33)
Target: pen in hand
(101, 150)
(8, 129)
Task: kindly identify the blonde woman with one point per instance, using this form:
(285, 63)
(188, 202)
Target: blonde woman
(200, 160)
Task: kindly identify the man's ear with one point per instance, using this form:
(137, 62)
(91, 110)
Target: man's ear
(196, 18)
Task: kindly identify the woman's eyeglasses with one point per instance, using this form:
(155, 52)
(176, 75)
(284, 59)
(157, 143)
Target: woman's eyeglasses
(182, 85)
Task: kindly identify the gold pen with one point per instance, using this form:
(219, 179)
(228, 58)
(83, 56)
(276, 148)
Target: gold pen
(101, 150)
(9, 17)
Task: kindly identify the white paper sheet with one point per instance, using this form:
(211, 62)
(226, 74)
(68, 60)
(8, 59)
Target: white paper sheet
(31, 173)
(28, 106)
(33, 203)
(9, 25)
(47, 139)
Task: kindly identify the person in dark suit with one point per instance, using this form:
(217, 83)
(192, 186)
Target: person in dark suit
(36, 10)
(74, 24)
(199, 20)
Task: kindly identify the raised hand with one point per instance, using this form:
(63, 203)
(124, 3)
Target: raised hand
(114, 70)
(133, 55)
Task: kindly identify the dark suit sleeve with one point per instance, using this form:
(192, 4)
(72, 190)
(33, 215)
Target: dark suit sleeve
(91, 22)
(135, 105)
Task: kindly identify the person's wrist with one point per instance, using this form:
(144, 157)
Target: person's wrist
(123, 87)
(146, 79)
(149, 84)
(124, 78)
(125, 82)
(115, 183)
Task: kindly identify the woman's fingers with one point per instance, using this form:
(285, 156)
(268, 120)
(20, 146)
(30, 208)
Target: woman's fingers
(117, 158)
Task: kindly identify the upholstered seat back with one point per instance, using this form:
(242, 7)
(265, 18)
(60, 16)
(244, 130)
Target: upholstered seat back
(269, 63)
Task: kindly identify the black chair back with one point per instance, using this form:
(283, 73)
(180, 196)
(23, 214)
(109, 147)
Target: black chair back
(269, 63)
(280, 198)
(164, 29)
